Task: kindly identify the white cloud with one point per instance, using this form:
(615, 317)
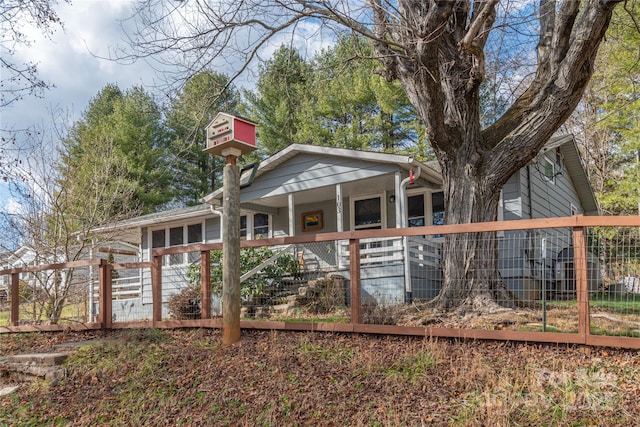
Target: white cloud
(71, 61)
(13, 207)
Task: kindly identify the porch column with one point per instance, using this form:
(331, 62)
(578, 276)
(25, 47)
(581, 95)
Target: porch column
(399, 203)
(292, 215)
(339, 224)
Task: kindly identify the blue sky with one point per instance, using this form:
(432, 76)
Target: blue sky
(70, 60)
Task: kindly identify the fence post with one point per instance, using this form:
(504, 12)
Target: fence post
(354, 280)
(156, 288)
(582, 281)
(205, 285)
(15, 299)
(105, 296)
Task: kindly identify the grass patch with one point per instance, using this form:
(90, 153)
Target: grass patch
(619, 303)
(71, 313)
(413, 366)
(187, 377)
(328, 352)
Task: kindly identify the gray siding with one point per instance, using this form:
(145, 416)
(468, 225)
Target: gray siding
(280, 224)
(521, 261)
(550, 199)
(212, 230)
(391, 211)
(308, 171)
(329, 216)
(145, 244)
(511, 198)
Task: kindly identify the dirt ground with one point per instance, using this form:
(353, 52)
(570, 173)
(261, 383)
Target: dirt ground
(187, 377)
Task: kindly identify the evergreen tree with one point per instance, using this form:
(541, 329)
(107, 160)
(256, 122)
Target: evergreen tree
(280, 93)
(334, 99)
(123, 132)
(196, 173)
(353, 107)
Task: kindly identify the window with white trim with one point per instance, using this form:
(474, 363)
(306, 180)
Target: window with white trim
(416, 210)
(425, 208)
(573, 210)
(177, 236)
(255, 226)
(548, 170)
(368, 212)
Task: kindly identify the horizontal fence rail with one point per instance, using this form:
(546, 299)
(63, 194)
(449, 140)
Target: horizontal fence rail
(565, 280)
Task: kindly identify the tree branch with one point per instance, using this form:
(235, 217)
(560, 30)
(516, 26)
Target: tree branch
(482, 20)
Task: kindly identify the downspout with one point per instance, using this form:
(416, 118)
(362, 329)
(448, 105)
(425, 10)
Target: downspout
(529, 191)
(339, 225)
(413, 176)
(219, 213)
(531, 233)
(398, 179)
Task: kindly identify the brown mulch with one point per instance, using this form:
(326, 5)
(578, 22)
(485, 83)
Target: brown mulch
(187, 377)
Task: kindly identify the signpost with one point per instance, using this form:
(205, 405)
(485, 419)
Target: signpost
(230, 137)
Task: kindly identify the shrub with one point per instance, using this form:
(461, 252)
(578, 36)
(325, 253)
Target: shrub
(270, 276)
(186, 304)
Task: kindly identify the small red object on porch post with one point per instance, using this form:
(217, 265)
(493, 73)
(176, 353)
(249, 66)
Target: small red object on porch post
(230, 137)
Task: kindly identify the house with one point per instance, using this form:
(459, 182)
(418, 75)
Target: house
(49, 282)
(22, 257)
(306, 189)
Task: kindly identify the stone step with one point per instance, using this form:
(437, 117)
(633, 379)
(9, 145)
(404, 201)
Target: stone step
(27, 366)
(40, 359)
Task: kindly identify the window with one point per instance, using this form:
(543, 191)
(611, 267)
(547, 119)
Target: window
(548, 170)
(425, 208)
(368, 213)
(437, 208)
(260, 225)
(194, 235)
(573, 210)
(177, 236)
(243, 227)
(157, 239)
(415, 211)
(254, 226)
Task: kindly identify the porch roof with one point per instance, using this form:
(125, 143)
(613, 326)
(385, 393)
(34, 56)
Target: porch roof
(124, 229)
(429, 170)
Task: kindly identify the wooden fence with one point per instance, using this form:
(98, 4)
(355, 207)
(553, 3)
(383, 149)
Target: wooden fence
(577, 224)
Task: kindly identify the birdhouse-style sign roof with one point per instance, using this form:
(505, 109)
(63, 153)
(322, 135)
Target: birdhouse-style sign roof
(230, 135)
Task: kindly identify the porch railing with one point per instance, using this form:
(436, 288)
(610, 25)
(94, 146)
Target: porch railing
(591, 261)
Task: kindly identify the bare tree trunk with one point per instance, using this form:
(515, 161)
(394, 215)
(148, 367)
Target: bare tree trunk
(470, 260)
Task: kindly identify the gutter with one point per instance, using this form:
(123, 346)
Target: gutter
(403, 222)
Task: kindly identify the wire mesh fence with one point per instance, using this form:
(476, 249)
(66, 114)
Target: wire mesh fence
(130, 295)
(49, 296)
(181, 291)
(524, 280)
(615, 306)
